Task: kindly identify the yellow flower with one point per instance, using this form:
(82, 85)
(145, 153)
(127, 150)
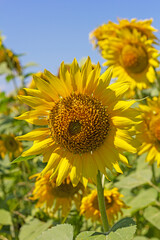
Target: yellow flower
(6, 55)
(8, 144)
(150, 127)
(51, 198)
(13, 61)
(127, 47)
(90, 209)
(86, 122)
(133, 58)
(110, 29)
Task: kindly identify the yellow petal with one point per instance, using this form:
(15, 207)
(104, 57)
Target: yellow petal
(38, 148)
(46, 88)
(124, 145)
(75, 76)
(76, 171)
(57, 84)
(151, 155)
(35, 134)
(89, 167)
(65, 76)
(110, 156)
(52, 162)
(35, 102)
(38, 117)
(123, 105)
(36, 93)
(92, 79)
(144, 148)
(64, 169)
(106, 76)
(114, 92)
(121, 122)
(86, 69)
(124, 160)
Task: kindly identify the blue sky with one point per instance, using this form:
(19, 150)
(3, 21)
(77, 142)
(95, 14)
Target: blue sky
(52, 31)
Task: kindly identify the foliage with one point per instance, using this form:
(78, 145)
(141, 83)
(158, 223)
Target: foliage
(21, 220)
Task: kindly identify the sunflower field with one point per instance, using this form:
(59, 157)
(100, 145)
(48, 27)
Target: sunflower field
(80, 148)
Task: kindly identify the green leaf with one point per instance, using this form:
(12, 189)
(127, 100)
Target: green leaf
(20, 159)
(91, 235)
(59, 232)
(33, 229)
(5, 217)
(141, 163)
(122, 230)
(152, 214)
(143, 199)
(135, 179)
(9, 77)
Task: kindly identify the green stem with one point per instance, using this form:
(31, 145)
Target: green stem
(101, 203)
(153, 174)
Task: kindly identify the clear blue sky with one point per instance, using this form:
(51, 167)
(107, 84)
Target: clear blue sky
(50, 31)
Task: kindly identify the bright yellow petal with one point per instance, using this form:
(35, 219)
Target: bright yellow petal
(122, 144)
(38, 148)
(92, 80)
(36, 93)
(86, 69)
(121, 122)
(46, 88)
(57, 84)
(76, 171)
(35, 134)
(151, 154)
(64, 168)
(35, 102)
(53, 160)
(145, 147)
(38, 117)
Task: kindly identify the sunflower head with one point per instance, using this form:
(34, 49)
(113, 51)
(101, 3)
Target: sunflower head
(128, 48)
(85, 122)
(80, 131)
(51, 198)
(133, 58)
(113, 203)
(150, 138)
(8, 144)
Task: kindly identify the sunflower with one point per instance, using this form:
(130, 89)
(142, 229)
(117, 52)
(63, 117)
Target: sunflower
(8, 144)
(6, 55)
(90, 209)
(51, 198)
(86, 123)
(110, 29)
(133, 58)
(150, 127)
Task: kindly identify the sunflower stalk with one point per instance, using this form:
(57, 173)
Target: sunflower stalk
(153, 175)
(101, 203)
